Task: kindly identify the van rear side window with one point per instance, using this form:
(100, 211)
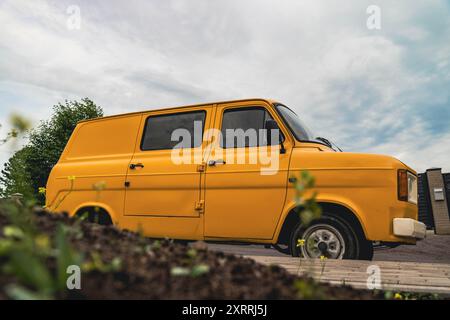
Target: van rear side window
(159, 131)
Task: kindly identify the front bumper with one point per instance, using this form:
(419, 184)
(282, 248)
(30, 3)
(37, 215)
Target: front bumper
(407, 227)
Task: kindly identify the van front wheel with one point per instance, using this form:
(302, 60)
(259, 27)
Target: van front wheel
(325, 237)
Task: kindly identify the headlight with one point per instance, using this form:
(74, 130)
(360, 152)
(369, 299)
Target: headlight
(412, 188)
(407, 186)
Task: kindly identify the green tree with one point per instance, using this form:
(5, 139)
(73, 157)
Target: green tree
(15, 177)
(46, 142)
(19, 126)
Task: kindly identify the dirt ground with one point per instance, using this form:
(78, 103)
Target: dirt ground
(433, 249)
(164, 269)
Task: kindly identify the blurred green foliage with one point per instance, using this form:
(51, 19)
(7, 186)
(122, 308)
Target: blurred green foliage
(306, 198)
(19, 125)
(28, 169)
(35, 260)
(25, 253)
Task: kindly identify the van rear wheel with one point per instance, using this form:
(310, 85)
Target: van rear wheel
(328, 237)
(95, 215)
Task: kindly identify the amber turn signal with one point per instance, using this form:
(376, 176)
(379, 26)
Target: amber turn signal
(402, 185)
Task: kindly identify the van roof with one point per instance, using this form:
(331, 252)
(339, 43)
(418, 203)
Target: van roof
(175, 108)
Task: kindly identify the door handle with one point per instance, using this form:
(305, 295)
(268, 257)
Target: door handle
(136, 165)
(212, 163)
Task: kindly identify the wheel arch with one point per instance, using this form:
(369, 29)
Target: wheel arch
(337, 209)
(92, 205)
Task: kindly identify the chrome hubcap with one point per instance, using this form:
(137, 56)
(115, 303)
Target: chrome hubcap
(322, 240)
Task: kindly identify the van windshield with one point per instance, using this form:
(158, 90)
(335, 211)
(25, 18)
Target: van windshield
(298, 128)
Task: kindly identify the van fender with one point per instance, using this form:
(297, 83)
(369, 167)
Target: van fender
(323, 198)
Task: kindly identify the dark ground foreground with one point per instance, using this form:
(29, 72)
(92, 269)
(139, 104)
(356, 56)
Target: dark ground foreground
(166, 270)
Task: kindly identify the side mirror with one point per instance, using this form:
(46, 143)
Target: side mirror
(270, 125)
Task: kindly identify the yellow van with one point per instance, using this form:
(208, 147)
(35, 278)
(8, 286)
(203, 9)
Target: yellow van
(213, 172)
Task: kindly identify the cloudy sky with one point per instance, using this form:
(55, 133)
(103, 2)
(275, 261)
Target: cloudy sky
(380, 91)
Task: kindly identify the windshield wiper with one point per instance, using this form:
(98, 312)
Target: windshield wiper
(329, 143)
(326, 141)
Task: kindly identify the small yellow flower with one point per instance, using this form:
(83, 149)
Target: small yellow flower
(322, 258)
(71, 178)
(43, 242)
(398, 296)
(300, 242)
(87, 266)
(42, 190)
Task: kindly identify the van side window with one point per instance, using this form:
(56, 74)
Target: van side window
(241, 127)
(159, 131)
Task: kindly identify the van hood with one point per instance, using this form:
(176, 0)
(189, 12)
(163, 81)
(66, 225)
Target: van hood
(319, 154)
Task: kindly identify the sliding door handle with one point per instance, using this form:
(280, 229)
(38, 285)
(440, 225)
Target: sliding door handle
(212, 163)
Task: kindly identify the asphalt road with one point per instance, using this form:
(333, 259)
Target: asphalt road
(434, 249)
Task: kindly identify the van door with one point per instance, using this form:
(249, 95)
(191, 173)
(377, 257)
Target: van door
(164, 177)
(244, 198)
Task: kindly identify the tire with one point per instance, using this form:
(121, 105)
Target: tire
(331, 237)
(284, 250)
(366, 250)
